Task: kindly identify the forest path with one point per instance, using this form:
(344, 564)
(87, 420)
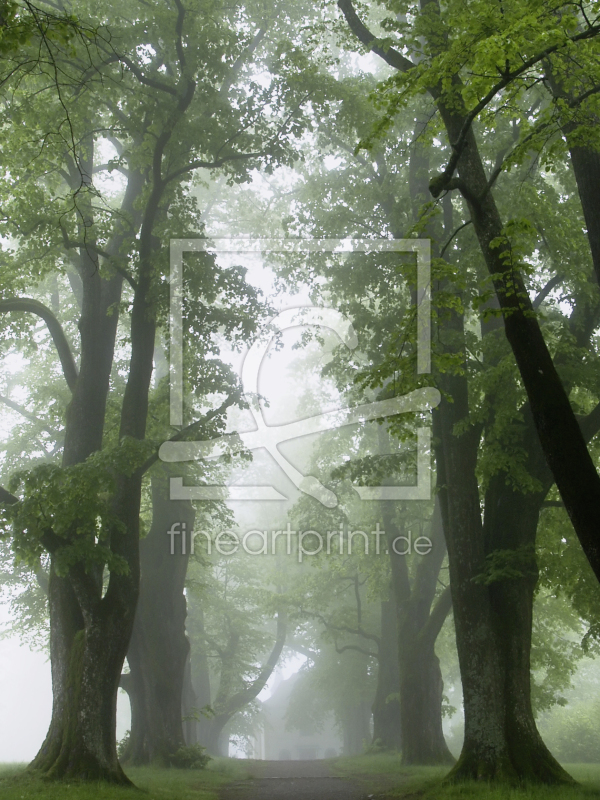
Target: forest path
(293, 780)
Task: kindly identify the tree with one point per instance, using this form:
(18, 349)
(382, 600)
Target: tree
(159, 649)
(561, 438)
(231, 621)
(146, 96)
(508, 730)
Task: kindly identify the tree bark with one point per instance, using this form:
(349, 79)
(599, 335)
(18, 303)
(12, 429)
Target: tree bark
(492, 617)
(200, 683)
(89, 630)
(387, 731)
(159, 649)
(419, 623)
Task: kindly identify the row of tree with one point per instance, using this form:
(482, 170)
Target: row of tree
(477, 129)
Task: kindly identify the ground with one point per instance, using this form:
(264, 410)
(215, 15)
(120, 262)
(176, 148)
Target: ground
(294, 780)
(379, 777)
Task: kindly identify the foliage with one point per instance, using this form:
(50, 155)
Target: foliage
(123, 744)
(573, 733)
(190, 757)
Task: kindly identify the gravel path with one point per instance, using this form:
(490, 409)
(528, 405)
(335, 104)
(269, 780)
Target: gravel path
(293, 780)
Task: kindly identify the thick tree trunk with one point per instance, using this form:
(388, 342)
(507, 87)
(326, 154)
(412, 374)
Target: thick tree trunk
(492, 620)
(421, 685)
(560, 436)
(159, 649)
(83, 747)
(421, 689)
(215, 740)
(501, 740)
(89, 633)
(89, 638)
(387, 731)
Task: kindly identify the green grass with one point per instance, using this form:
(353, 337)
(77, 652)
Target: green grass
(380, 774)
(155, 784)
(384, 774)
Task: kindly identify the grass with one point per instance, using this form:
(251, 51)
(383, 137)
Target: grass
(153, 784)
(383, 774)
(380, 774)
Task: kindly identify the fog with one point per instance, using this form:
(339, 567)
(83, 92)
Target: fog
(300, 399)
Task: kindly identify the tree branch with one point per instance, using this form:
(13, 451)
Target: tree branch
(429, 632)
(25, 413)
(590, 424)
(457, 231)
(440, 181)
(200, 164)
(539, 299)
(72, 245)
(357, 649)
(241, 59)
(153, 84)
(346, 629)
(6, 498)
(255, 688)
(370, 41)
(63, 348)
(303, 651)
(192, 429)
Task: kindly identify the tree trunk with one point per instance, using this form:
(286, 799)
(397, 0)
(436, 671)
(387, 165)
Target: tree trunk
(89, 632)
(159, 649)
(355, 728)
(200, 682)
(228, 702)
(89, 638)
(421, 689)
(421, 685)
(386, 706)
(492, 620)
